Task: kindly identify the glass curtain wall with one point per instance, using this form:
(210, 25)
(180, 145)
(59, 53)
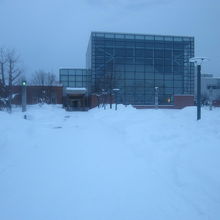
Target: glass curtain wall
(75, 78)
(136, 64)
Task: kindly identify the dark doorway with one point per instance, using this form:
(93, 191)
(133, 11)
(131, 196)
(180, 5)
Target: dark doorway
(75, 103)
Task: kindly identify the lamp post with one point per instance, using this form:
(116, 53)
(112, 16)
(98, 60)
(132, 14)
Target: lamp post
(24, 95)
(198, 62)
(210, 97)
(116, 92)
(104, 93)
(156, 101)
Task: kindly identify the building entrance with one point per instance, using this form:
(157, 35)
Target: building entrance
(75, 103)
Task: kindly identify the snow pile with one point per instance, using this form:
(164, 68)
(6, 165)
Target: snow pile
(106, 164)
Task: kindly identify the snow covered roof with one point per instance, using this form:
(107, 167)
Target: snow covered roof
(74, 91)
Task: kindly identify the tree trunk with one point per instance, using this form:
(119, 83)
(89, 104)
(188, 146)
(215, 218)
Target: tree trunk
(2, 73)
(10, 85)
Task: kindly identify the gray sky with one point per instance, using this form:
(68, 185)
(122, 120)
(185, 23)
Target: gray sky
(49, 34)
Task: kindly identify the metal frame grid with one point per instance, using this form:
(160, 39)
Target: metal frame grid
(136, 64)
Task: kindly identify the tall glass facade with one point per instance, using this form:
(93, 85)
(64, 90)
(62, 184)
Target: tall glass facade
(136, 64)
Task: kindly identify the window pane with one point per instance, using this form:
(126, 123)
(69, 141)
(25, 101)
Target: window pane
(148, 53)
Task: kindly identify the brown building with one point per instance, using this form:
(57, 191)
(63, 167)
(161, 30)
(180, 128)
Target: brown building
(37, 94)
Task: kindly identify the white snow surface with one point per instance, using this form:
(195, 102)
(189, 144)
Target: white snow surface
(109, 165)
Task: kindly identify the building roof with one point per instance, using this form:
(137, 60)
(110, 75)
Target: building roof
(141, 34)
(74, 91)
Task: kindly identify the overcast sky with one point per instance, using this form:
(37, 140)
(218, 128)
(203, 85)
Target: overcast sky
(49, 34)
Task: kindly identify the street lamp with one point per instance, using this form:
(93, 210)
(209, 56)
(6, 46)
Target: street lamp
(116, 92)
(156, 101)
(198, 62)
(24, 95)
(24, 83)
(210, 88)
(104, 93)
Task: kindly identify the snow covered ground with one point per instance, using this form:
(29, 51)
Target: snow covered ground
(109, 165)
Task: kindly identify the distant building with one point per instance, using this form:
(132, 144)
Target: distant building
(137, 66)
(210, 88)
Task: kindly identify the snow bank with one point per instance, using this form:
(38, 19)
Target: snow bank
(106, 164)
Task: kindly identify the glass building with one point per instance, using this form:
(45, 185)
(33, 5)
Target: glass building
(136, 65)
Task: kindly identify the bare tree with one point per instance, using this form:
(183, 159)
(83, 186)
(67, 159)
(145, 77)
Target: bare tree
(10, 73)
(2, 76)
(42, 78)
(3, 62)
(51, 79)
(39, 78)
(46, 80)
(14, 72)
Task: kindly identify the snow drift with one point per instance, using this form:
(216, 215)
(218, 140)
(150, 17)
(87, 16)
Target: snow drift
(106, 164)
